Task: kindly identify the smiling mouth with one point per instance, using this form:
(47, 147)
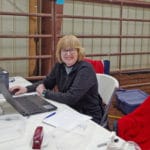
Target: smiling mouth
(68, 58)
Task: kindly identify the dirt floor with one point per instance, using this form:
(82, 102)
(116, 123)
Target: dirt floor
(128, 81)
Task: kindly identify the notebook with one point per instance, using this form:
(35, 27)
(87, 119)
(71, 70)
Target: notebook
(27, 105)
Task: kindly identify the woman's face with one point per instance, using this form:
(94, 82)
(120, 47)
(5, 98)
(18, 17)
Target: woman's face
(69, 56)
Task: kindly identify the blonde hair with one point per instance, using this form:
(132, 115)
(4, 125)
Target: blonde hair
(69, 41)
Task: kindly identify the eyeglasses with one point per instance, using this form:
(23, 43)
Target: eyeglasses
(66, 51)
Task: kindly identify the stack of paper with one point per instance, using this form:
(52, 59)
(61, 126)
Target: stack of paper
(66, 119)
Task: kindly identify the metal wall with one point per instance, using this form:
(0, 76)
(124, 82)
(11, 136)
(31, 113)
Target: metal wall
(116, 30)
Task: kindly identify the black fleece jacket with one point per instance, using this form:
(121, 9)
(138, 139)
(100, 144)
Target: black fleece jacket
(78, 89)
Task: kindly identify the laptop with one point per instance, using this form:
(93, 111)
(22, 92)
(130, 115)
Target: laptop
(28, 104)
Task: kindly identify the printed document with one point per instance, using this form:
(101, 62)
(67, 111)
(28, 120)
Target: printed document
(67, 119)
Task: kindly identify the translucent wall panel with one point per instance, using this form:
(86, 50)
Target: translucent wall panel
(108, 27)
(14, 25)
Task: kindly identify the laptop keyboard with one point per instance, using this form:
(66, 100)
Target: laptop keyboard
(33, 104)
(28, 104)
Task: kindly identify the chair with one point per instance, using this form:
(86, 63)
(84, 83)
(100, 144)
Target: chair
(106, 88)
(100, 66)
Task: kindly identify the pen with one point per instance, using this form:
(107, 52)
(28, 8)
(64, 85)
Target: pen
(50, 115)
(8, 119)
(102, 144)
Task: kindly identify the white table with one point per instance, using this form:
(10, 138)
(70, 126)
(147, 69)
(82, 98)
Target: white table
(84, 137)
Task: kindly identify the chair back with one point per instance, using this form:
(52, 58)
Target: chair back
(100, 66)
(107, 85)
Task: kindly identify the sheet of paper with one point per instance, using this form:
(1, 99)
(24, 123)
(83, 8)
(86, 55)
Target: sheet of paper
(13, 81)
(66, 119)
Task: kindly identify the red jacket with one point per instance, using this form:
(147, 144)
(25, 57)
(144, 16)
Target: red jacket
(136, 125)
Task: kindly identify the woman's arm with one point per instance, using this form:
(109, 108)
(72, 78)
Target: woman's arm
(49, 81)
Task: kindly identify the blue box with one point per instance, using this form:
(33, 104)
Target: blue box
(129, 100)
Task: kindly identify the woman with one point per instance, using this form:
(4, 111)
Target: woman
(75, 80)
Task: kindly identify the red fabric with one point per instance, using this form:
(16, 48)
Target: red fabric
(97, 65)
(136, 125)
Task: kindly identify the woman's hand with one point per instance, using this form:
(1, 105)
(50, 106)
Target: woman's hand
(17, 90)
(40, 89)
